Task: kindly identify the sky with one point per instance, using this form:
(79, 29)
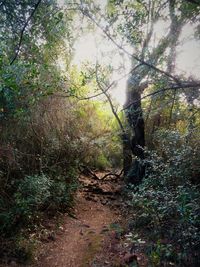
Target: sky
(92, 48)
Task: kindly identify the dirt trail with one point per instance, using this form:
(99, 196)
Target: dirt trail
(79, 241)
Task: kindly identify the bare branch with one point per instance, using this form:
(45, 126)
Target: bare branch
(110, 102)
(101, 93)
(183, 86)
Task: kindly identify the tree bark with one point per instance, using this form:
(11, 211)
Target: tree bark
(134, 114)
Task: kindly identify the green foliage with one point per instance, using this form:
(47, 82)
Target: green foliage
(34, 73)
(33, 192)
(20, 247)
(166, 204)
(62, 190)
(180, 153)
(35, 197)
(45, 136)
(101, 162)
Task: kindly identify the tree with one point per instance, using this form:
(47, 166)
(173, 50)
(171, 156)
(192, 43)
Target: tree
(136, 22)
(33, 35)
(166, 48)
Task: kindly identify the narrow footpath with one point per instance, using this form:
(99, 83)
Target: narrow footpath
(87, 239)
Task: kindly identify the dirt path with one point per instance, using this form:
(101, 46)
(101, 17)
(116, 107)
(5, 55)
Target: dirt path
(80, 241)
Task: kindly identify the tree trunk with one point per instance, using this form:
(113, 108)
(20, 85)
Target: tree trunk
(136, 122)
(127, 153)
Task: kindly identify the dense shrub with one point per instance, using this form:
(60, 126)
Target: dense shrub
(31, 194)
(167, 203)
(39, 161)
(35, 194)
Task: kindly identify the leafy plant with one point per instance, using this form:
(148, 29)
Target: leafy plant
(166, 204)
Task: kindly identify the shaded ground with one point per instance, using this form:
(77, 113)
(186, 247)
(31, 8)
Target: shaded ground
(81, 239)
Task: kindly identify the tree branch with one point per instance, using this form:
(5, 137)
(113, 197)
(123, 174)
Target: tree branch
(110, 102)
(101, 93)
(86, 13)
(186, 86)
(23, 30)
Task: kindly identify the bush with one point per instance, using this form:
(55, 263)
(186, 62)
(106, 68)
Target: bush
(35, 197)
(101, 162)
(167, 203)
(62, 190)
(33, 192)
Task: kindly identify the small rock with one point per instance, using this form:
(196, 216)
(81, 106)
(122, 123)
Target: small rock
(104, 201)
(104, 230)
(91, 232)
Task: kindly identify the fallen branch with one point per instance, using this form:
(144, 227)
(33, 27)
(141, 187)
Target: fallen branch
(98, 190)
(86, 170)
(118, 175)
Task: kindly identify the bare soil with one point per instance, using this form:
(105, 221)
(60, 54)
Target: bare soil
(79, 240)
(82, 240)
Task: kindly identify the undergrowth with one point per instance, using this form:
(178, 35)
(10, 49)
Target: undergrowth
(165, 207)
(38, 178)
